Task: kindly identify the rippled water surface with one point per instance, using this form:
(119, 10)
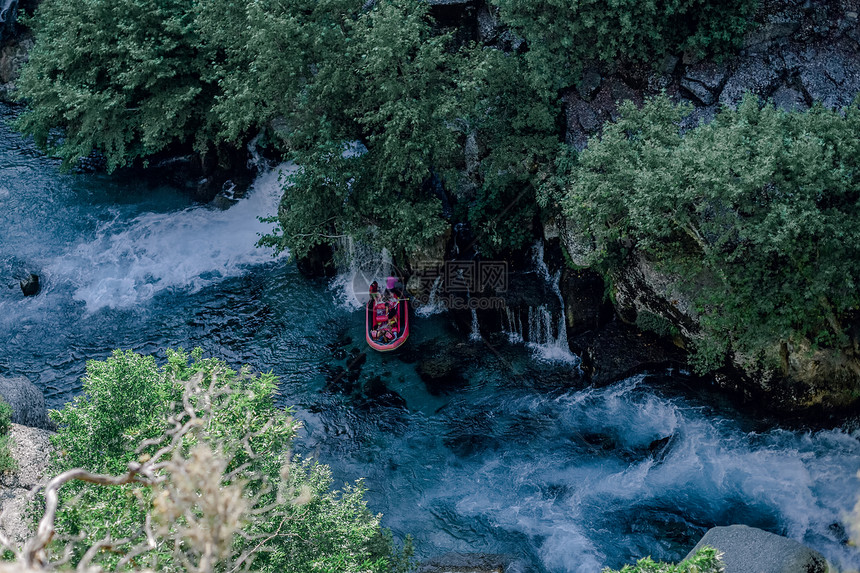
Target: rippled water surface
(521, 458)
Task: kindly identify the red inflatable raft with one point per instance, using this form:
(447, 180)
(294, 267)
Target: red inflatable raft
(387, 324)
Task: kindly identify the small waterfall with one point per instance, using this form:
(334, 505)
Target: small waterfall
(545, 333)
(433, 305)
(359, 265)
(515, 326)
(255, 159)
(475, 335)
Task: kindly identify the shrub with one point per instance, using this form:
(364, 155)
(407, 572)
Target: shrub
(706, 560)
(7, 462)
(5, 417)
(204, 476)
(562, 36)
(127, 78)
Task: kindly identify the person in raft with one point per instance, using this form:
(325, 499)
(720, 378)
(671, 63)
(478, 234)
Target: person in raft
(393, 293)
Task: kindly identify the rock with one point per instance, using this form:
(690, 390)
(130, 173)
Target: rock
(746, 549)
(589, 84)
(698, 91)
(488, 23)
(441, 374)
(12, 57)
(640, 287)
(466, 563)
(830, 75)
(754, 74)
(31, 449)
(789, 99)
(378, 394)
(30, 286)
(761, 37)
(27, 401)
(709, 74)
(583, 293)
(579, 245)
(616, 351)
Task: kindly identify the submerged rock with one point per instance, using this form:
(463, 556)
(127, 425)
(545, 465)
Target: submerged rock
(468, 563)
(30, 286)
(441, 374)
(745, 549)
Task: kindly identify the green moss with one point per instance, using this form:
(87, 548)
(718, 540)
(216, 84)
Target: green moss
(657, 324)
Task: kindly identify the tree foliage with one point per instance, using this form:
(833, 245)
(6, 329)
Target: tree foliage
(757, 210)
(563, 36)
(126, 78)
(130, 78)
(265, 506)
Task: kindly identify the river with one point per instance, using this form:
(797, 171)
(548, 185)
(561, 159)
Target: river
(524, 459)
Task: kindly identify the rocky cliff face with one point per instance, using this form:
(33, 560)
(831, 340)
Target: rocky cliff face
(799, 53)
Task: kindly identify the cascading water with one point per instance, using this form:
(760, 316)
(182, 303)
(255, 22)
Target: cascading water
(514, 461)
(432, 305)
(546, 332)
(129, 262)
(475, 334)
(358, 266)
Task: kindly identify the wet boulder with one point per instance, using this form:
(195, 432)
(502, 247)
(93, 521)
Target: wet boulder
(747, 549)
(27, 402)
(616, 351)
(30, 286)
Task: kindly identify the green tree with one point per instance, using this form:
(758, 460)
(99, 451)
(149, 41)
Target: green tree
(126, 78)
(517, 131)
(706, 560)
(376, 123)
(755, 211)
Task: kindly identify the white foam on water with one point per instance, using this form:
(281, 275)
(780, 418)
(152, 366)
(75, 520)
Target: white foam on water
(129, 262)
(580, 503)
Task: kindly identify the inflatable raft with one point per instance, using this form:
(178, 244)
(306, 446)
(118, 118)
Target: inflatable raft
(387, 324)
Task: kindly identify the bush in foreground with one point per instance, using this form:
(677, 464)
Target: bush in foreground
(706, 560)
(195, 474)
